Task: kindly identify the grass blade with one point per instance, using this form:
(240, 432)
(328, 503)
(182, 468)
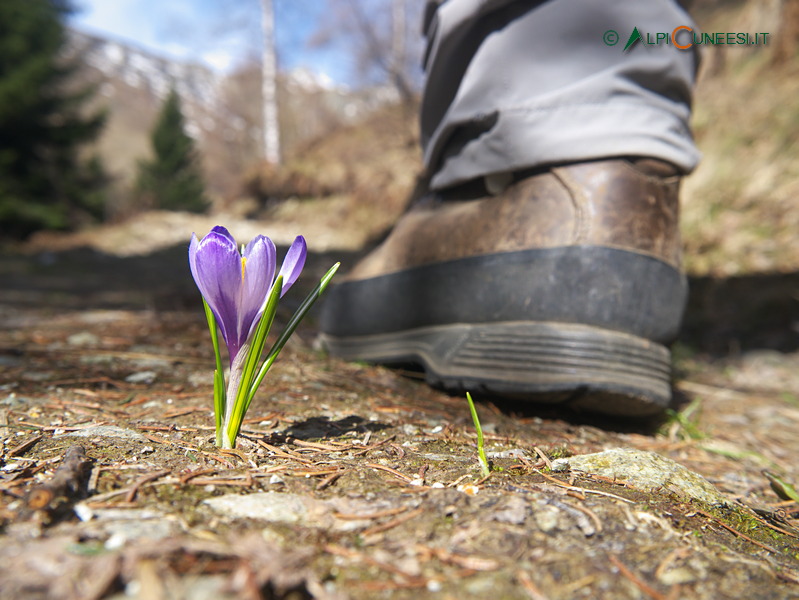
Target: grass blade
(481, 453)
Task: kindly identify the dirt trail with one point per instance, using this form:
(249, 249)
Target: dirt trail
(354, 481)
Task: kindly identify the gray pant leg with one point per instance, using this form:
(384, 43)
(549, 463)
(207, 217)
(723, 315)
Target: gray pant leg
(514, 84)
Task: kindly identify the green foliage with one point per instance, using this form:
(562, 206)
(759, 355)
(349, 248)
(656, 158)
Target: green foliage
(686, 422)
(172, 180)
(44, 180)
(481, 454)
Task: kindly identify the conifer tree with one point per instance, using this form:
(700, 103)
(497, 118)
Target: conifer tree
(45, 181)
(171, 180)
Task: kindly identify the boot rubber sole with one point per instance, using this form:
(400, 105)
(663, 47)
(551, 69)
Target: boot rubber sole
(582, 366)
(583, 325)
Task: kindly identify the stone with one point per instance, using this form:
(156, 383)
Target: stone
(146, 377)
(512, 509)
(275, 507)
(296, 509)
(646, 471)
(83, 338)
(107, 431)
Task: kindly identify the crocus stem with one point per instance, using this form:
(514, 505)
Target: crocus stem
(234, 381)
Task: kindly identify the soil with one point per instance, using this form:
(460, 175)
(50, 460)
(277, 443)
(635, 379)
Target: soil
(363, 482)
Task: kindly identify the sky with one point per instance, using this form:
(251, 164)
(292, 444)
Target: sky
(219, 33)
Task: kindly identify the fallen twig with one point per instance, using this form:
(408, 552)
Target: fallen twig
(25, 446)
(191, 475)
(573, 488)
(529, 586)
(134, 489)
(330, 479)
(471, 563)
(394, 472)
(389, 512)
(543, 457)
(244, 481)
(365, 558)
(282, 453)
(736, 532)
(393, 522)
(68, 480)
(637, 581)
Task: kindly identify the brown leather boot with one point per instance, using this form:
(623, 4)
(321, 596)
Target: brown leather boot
(566, 288)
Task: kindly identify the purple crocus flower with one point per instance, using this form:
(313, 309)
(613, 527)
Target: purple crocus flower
(236, 284)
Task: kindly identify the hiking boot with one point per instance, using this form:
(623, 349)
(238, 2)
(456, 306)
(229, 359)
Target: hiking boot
(565, 287)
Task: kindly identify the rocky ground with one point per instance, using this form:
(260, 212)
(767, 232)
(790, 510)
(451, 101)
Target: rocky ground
(353, 481)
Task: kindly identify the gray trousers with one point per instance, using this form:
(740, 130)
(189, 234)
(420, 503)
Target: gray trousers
(515, 84)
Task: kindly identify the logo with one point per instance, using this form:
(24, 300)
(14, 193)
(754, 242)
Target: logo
(684, 37)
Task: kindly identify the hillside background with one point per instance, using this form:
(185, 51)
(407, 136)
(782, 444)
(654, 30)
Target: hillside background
(351, 156)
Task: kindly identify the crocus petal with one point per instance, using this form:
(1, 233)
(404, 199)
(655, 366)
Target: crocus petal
(293, 263)
(259, 273)
(216, 266)
(224, 233)
(193, 256)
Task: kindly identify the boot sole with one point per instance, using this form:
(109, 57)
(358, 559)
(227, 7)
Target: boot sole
(582, 366)
(582, 325)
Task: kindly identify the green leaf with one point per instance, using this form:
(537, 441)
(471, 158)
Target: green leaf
(782, 488)
(481, 454)
(219, 374)
(298, 316)
(245, 390)
(219, 404)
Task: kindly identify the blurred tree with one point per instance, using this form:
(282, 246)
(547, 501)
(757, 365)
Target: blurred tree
(271, 130)
(171, 180)
(45, 182)
(377, 36)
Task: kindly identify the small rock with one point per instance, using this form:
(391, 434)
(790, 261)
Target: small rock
(122, 532)
(489, 428)
(444, 457)
(646, 471)
(160, 364)
(433, 585)
(107, 431)
(14, 401)
(200, 378)
(678, 576)
(83, 338)
(146, 377)
(98, 359)
(37, 375)
(512, 510)
(120, 526)
(274, 506)
(296, 509)
(547, 518)
(512, 453)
